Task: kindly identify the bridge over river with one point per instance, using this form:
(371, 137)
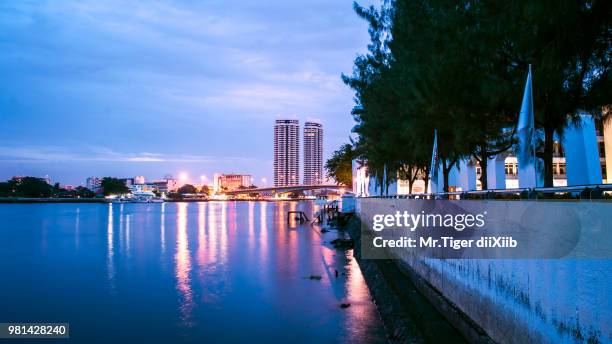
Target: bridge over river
(286, 189)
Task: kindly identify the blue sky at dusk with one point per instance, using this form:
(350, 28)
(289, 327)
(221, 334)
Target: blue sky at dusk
(125, 88)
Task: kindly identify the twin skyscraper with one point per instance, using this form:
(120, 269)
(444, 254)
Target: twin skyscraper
(287, 153)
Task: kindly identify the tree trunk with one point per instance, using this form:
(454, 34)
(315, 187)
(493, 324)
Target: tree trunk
(413, 177)
(426, 179)
(483, 172)
(446, 171)
(412, 183)
(548, 156)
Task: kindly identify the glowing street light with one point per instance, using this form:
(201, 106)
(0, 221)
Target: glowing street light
(183, 177)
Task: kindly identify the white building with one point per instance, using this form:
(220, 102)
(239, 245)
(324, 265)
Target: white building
(286, 152)
(588, 157)
(313, 153)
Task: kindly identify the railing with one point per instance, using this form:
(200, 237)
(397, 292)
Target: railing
(574, 192)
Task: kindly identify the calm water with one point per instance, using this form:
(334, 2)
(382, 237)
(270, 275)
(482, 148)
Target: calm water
(189, 272)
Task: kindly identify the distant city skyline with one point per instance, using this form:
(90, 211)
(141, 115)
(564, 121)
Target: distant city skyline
(128, 88)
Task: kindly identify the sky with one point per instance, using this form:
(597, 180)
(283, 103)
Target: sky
(127, 88)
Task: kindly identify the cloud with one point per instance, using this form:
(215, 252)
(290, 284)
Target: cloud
(34, 154)
(131, 76)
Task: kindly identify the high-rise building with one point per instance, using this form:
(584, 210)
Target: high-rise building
(286, 152)
(313, 153)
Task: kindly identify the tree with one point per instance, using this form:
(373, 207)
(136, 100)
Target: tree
(31, 187)
(400, 93)
(7, 189)
(84, 192)
(340, 165)
(174, 195)
(568, 44)
(186, 189)
(459, 68)
(113, 186)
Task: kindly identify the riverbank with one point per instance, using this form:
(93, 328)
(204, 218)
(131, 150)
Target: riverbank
(51, 200)
(104, 200)
(411, 309)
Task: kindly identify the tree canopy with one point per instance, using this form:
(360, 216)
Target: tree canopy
(26, 187)
(114, 186)
(39, 188)
(187, 189)
(340, 166)
(460, 67)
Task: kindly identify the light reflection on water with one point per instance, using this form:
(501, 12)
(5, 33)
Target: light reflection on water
(183, 265)
(163, 228)
(186, 272)
(110, 248)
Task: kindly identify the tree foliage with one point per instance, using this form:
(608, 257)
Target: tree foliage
(114, 186)
(340, 166)
(187, 189)
(26, 187)
(460, 67)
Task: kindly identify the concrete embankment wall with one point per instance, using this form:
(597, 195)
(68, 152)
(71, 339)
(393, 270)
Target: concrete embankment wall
(523, 300)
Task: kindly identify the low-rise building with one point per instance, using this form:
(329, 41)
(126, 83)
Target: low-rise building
(230, 182)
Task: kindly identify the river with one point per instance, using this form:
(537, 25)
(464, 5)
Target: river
(208, 272)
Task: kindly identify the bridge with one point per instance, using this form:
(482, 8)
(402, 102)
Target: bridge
(286, 189)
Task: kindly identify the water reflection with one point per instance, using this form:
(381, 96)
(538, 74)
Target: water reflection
(127, 235)
(356, 290)
(121, 240)
(251, 227)
(223, 232)
(110, 253)
(163, 228)
(77, 228)
(199, 269)
(212, 231)
(201, 234)
(263, 233)
(183, 265)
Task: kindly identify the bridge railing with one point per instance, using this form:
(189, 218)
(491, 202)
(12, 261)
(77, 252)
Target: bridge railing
(574, 192)
(286, 189)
